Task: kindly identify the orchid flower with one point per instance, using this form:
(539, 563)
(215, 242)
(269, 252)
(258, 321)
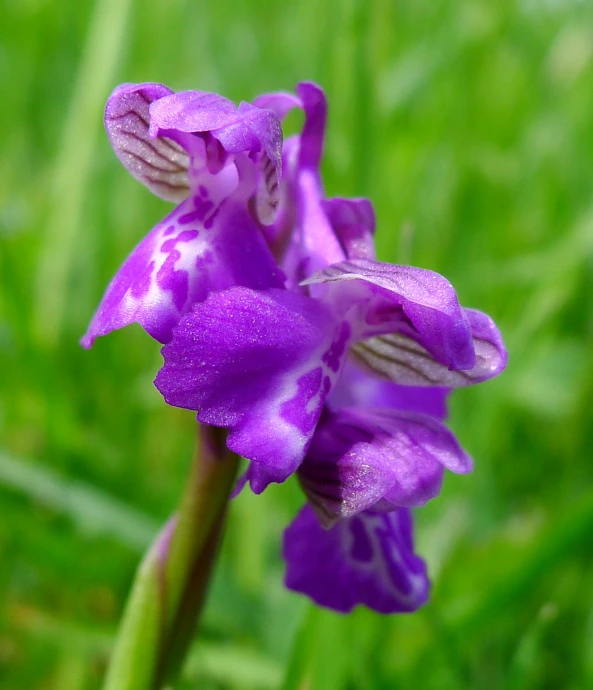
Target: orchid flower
(280, 325)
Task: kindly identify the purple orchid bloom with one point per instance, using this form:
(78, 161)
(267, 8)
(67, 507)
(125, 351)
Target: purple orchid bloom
(281, 326)
(222, 165)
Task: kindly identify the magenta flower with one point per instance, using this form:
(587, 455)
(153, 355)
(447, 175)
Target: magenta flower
(282, 327)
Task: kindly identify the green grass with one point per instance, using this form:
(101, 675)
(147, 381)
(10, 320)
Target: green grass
(468, 124)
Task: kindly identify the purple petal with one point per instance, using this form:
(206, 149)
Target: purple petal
(161, 164)
(415, 301)
(265, 125)
(241, 129)
(358, 388)
(315, 107)
(358, 457)
(261, 364)
(307, 240)
(353, 221)
(231, 130)
(191, 111)
(280, 103)
(491, 354)
(315, 244)
(401, 359)
(368, 559)
(209, 242)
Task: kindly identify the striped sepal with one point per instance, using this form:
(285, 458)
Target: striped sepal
(161, 164)
(267, 196)
(402, 360)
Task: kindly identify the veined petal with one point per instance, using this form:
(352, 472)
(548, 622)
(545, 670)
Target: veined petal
(261, 364)
(413, 301)
(403, 360)
(209, 242)
(265, 125)
(230, 130)
(358, 457)
(357, 387)
(368, 559)
(161, 164)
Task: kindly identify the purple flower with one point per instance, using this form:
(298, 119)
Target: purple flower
(281, 326)
(222, 165)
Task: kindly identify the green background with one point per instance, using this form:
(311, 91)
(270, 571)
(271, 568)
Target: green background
(469, 125)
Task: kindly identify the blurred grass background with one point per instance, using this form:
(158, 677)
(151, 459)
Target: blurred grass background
(468, 124)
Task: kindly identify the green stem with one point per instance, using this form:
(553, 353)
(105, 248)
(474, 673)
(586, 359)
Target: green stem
(170, 586)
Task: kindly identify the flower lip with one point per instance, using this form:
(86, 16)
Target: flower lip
(368, 559)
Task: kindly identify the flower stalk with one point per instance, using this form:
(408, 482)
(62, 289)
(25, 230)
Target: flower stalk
(171, 583)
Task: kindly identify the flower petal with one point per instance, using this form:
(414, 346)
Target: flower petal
(261, 364)
(415, 301)
(358, 457)
(401, 359)
(246, 129)
(353, 221)
(368, 559)
(315, 107)
(161, 164)
(209, 242)
(191, 112)
(358, 388)
(239, 129)
(279, 102)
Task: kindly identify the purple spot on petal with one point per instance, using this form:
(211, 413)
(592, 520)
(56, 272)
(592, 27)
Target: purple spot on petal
(333, 356)
(203, 207)
(189, 218)
(169, 230)
(362, 547)
(295, 410)
(203, 191)
(177, 281)
(185, 236)
(209, 222)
